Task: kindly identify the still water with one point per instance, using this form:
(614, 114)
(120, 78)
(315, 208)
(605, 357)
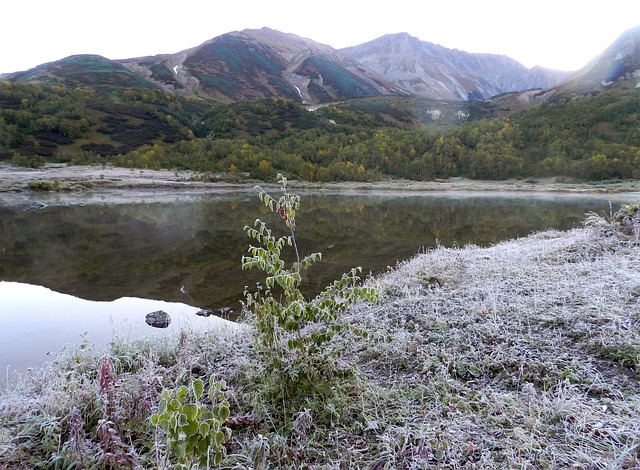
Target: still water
(86, 263)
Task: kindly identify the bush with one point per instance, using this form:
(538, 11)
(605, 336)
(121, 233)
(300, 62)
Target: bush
(292, 332)
(193, 431)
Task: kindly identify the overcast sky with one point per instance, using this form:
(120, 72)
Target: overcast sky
(560, 34)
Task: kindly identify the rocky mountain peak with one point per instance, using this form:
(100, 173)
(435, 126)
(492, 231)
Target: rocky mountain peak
(434, 71)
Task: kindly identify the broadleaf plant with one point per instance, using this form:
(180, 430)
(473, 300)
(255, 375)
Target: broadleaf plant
(292, 331)
(194, 432)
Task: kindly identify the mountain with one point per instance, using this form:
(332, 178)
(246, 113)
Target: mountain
(436, 72)
(617, 66)
(82, 70)
(613, 71)
(262, 63)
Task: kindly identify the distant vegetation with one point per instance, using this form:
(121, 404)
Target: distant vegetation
(592, 137)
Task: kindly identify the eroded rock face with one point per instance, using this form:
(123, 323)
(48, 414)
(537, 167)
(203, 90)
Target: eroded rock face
(158, 319)
(433, 71)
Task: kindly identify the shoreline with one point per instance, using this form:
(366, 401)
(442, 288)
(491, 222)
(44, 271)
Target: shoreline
(520, 354)
(94, 178)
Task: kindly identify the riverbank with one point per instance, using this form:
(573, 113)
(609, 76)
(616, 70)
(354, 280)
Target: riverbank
(525, 354)
(83, 178)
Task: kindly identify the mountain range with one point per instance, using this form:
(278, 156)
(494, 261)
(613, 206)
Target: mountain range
(258, 63)
(261, 82)
(429, 70)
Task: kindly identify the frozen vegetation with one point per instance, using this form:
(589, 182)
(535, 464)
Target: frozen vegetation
(525, 354)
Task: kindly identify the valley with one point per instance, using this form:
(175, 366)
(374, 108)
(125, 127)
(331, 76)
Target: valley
(492, 209)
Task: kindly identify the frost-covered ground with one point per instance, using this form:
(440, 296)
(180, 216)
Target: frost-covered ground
(525, 354)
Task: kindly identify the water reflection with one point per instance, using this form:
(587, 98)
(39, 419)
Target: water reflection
(189, 250)
(186, 248)
(38, 322)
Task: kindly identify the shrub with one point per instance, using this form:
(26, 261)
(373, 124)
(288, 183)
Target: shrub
(44, 185)
(293, 332)
(193, 431)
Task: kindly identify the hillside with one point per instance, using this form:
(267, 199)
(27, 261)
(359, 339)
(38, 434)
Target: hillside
(254, 64)
(58, 123)
(432, 71)
(82, 71)
(86, 109)
(616, 67)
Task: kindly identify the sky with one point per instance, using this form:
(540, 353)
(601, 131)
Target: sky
(558, 34)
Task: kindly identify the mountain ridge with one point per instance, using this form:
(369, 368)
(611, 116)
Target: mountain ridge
(619, 61)
(262, 63)
(259, 63)
(437, 72)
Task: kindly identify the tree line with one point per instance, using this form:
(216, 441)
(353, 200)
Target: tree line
(594, 137)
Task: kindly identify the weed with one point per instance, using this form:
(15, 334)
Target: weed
(194, 431)
(292, 332)
(43, 185)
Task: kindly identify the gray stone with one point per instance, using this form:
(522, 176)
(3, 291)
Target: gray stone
(158, 319)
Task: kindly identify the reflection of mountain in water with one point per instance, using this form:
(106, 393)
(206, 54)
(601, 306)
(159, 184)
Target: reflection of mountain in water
(155, 250)
(38, 323)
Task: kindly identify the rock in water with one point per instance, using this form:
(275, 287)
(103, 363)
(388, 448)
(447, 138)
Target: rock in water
(158, 319)
(205, 312)
(35, 206)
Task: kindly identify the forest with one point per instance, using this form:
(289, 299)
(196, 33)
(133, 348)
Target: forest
(591, 137)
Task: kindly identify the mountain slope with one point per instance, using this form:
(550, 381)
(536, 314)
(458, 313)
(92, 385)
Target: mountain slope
(82, 70)
(433, 71)
(253, 64)
(618, 65)
(615, 70)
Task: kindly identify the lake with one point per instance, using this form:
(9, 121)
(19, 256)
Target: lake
(78, 266)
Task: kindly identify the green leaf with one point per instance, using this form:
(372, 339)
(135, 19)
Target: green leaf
(182, 393)
(191, 411)
(162, 406)
(203, 447)
(181, 451)
(190, 428)
(224, 414)
(204, 429)
(198, 389)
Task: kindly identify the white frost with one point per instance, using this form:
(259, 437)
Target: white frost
(175, 70)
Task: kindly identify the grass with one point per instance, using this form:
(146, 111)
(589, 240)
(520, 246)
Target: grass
(57, 186)
(522, 355)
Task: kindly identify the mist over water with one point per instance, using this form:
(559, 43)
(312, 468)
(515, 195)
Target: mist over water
(187, 250)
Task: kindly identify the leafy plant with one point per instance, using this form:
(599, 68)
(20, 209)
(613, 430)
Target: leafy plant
(292, 331)
(193, 430)
(44, 185)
